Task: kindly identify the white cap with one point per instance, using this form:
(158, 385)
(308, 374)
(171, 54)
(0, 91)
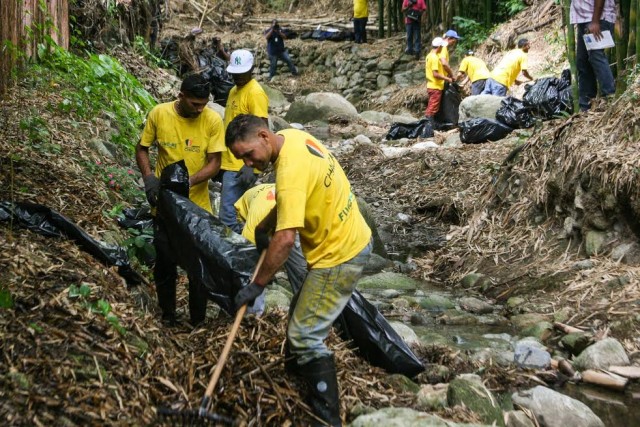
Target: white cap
(241, 61)
(439, 41)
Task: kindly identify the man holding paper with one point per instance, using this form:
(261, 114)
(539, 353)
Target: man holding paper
(593, 18)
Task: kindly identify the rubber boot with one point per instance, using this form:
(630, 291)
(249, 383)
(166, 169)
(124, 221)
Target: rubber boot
(324, 398)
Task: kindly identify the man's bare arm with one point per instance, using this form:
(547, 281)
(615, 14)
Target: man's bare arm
(142, 158)
(208, 171)
(278, 252)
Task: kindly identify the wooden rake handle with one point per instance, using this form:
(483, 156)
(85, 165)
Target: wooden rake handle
(232, 335)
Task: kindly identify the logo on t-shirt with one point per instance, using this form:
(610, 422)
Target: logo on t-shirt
(314, 149)
(190, 145)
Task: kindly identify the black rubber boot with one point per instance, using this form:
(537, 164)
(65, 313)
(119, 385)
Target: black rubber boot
(324, 398)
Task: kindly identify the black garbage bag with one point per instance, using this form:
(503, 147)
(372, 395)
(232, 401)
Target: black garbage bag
(420, 129)
(480, 130)
(220, 260)
(448, 115)
(550, 97)
(374, 338)
(138, 219)
(214, 70)
(47, 222)
(515, 114)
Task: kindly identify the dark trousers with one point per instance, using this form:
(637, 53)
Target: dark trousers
(165, 275)
(273, 63)
(478, 86)
(593, 68)
(360, 29)
(414, 46)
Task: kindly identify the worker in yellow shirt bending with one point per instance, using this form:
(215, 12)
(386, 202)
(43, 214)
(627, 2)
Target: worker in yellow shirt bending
(246, 97)
(506, 72)
(314, 199)
(476, 70)
(436, 76)
(187, 130)
(360, 18)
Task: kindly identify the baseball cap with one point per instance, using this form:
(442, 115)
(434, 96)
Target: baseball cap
(240, 62)
(439, 41)
(470, 52)
(453, 34)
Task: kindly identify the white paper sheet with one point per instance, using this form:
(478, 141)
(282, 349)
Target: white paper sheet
(593, 44)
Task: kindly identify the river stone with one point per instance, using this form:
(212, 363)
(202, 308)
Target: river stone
(432, 397)
(319, 129)
(475, 305)
(594, 241)
(362, 139)
(276, 299)
(277, 99)
(407, 334)
(484, 106)
(320, 106)
(601, 355)
(619, 252)
(475, 396)
(553, 409)
(278, 123)
(435, 302)
(517, 419)
(376, 117)
(541, 330)
(369, 218)
(376, 264)
(403, 79)
(435, 373)
(584, 264)
(457, 317)
(390, 293)
(403, 118)
(402, 417)
(526, 320)
(400, 382)
(514, 302)
(470, 280)
(418, 319)
(382, 81)
(388, 280)
(493, 319)
(340, 82)
(528, 356)
(575, 342)
(385, 65)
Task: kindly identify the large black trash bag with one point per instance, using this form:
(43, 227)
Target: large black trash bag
(210, 252)
(46, 221)
(374, 338)
(480, 130)
(515, 114)
(550, 97)
(214, 70)
(448, 115)
(138, 219)
(420, 129)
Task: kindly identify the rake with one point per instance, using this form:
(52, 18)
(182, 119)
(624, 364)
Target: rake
(202, 416)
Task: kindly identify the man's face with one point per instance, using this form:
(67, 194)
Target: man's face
(242, 79)
(526, 47)
(451, 42)
(255, 151)
(191, 107)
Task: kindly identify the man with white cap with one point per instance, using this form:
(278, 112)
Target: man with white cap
(436, 76)
(246, 97)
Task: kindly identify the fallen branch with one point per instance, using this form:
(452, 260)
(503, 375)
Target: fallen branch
(566, 328)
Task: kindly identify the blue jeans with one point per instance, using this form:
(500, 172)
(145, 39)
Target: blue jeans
(232, 190)
(360, 29)
(324, 294)
(492, 87)
(478, 86)
(593, 68)
(274, 63)
(414, 45)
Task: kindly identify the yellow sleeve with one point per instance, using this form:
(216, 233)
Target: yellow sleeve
(464, 66)
(216, 141)
(259, 104)
(523, 64)
(149, 133)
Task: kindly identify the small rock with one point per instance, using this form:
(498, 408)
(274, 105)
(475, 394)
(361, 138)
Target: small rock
(475, 305)
(457, 317)
(619, 252)
(594, 240)
(407, 334)
(527, 356)
(400, 382)
(541, 330)
(475, 396)
(298, 126)
(575, 342)
(402, 217)
(470, 280)
(390, 293)
(362, 139)
(517, 419)
(435, 302)
(584, 264)
(418, 319)
(601, 355)
(515, 302)
(526, 320)
(435, 373)
(432, 397)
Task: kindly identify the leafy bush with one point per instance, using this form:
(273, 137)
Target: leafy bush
(509, 8)
(474, 33)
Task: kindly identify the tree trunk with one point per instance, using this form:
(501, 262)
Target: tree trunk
(380, 19)
(631, 46)
(571, 55)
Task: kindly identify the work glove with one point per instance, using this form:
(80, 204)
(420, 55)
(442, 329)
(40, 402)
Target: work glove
(248, 294)
(151, 189)
(247, 177)
(262, 239)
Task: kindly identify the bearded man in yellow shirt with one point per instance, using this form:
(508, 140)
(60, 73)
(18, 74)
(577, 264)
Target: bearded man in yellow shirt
(187, 130)
(314, 199)
(246, 97)
(506, 72)
(477, 71)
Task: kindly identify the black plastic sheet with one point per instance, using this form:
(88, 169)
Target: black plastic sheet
(448, 114)
(515, 114)
(550, 97)
(374, 338)
(47, 222)
(138, 219)
(420, 129)
(478, 130)
(215, 72)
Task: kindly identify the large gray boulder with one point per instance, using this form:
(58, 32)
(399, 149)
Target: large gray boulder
(471, 393)
(601, 355)
(402, 417)
(553, 409)
(277, 100)
(320, 106)
(484, 106)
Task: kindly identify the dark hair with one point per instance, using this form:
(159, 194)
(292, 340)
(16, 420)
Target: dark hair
(196, 86)
(522, 43)
(241, 127)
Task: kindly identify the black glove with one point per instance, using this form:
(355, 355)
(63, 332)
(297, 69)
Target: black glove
(262, 239)
(247, 177)
(248, 294)
(151, 189)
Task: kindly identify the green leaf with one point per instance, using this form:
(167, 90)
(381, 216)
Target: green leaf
(6, 300)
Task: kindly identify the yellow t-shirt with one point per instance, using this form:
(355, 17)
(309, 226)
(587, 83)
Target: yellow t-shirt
(433, 64)
(444, 53)
(360, 9)
(253, 207)
(249, 99)
(314, 196)
(509, 67)
(180, 138)
(474, 68)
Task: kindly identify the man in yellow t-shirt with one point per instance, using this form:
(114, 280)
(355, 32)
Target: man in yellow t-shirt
(506, 72)
(182, 130)
(313, 198)
(477, 71)
(435, 74)
(246, 97)
(360, 18)
(451, 37)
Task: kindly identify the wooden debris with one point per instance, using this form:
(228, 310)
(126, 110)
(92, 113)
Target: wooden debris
(626, 371)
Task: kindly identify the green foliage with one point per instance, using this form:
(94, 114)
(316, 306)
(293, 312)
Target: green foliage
(6, 300)
(510, 7)
(102, 307)
(473, 31)
(142, 48)
(38, 135)
(279, 5)
(94, 86)
(120, 179)
(140, 245)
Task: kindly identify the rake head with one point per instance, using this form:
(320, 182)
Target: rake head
(192, 417)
